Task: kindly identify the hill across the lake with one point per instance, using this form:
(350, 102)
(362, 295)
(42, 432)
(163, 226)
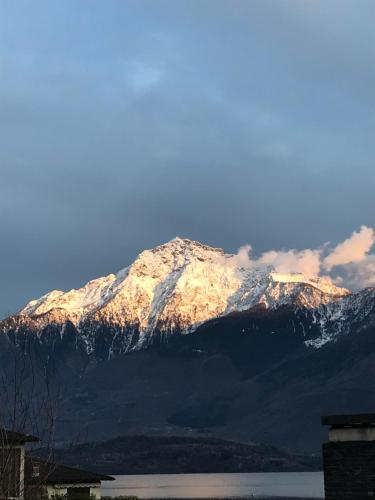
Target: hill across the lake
(180, 454)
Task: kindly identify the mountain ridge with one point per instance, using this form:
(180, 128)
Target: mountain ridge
(141, 352)
(174, 288)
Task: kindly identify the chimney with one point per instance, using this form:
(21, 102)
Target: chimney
(349, 457)
(36, 470)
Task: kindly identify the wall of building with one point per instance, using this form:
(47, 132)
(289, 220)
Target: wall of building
(22, 473)
(61, 489)
(349, 470)
(12, 462)
(352, 434)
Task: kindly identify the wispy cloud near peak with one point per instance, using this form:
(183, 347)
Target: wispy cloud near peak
(352, 256)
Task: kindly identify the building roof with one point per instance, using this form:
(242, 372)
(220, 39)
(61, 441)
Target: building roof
(363, 419)
(51, 473)
(12, 437)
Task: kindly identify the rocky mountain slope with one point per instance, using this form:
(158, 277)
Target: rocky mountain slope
(246, 377)
(189, 340)
(174, 288)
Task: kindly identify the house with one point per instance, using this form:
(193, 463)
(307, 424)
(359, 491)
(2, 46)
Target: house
(28, 478)
(47, 480)
(12, 463)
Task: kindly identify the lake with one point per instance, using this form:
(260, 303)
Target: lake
(288, 484)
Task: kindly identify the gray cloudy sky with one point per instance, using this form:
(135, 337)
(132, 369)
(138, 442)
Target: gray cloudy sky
(126, 122)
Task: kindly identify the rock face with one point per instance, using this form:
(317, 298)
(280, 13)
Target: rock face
(187, 339)
(171, 289)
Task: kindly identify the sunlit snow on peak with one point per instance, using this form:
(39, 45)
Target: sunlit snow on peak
(177, 286)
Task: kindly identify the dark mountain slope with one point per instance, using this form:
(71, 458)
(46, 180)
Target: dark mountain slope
(247, 377)
(177, 454)
(148, 351)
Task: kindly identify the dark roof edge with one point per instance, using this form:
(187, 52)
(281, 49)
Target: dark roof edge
(95, 475)
(13, 437)
(54, 470)
(349, 420)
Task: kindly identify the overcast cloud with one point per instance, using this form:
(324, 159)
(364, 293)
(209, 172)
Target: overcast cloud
(124, 123)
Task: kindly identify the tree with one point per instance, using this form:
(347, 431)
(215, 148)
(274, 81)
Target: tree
(27, 406)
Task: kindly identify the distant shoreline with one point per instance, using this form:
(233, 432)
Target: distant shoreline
(254, 497)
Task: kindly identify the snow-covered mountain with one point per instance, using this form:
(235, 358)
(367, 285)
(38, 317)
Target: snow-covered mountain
(210, 344)
(178, 286)
(351, 313)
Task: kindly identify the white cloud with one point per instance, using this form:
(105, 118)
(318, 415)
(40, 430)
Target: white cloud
(361, 274)
(293, 261)
(357, 266)
(242, 258)
(353, 249)
(283, 261)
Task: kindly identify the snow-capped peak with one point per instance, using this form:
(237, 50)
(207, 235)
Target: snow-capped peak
(177, 286)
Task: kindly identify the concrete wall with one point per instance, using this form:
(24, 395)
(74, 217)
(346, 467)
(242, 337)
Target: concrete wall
(352, 434)
(22, 473)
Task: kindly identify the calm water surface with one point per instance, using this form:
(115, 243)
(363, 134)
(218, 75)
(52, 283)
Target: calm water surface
(288, 484)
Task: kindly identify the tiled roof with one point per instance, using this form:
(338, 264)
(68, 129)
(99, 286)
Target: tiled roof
(51, 473)
(349, 420)
(12, 437)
